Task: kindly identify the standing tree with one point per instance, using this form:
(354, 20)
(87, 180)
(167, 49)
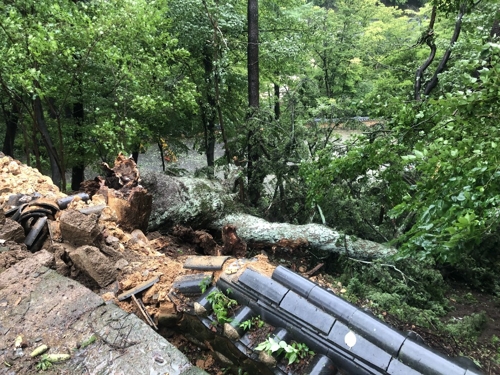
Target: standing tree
(253, 170)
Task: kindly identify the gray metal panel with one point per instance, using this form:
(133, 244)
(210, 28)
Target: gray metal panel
(363, 349)
(307, 312)
(263, 286)
(427, 361)
(329, 302)
(376, 331)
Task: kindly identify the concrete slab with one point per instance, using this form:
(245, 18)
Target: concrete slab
(50, 309)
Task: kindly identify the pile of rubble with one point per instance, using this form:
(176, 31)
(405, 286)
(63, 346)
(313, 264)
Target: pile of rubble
(97, 238)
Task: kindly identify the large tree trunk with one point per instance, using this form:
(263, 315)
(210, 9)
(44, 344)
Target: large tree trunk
(204, 203)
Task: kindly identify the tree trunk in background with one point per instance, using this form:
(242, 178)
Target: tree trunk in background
(277, 108)
(254, 181)
(78, 170)
(208, 112)
(495, 29)
(42, 128)
(11, 121)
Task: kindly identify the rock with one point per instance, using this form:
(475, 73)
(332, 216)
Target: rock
(108, 214)
(14, 168)
(139, 235)
(111, 252)
(12, 231)
(11, 257)
(183, 200)
(61, 257)
(79, 229)
(17, 178)
(121, 264)
(2, 217)
(95, 264)
(168, 316)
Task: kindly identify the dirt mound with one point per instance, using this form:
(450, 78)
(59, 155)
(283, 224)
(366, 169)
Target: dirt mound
(17, 178)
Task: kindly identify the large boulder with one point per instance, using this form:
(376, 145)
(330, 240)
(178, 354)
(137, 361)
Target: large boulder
(79, 229)
(11, 230)
(184, 200)
(94, 264)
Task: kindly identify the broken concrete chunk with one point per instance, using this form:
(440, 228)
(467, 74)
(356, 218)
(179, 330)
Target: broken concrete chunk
(79, 229)
(95, 264)
(168, 316)
(12, 231)
(12, 256)
(121, 264)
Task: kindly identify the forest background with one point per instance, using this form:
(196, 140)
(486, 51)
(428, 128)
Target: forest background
(272, 81)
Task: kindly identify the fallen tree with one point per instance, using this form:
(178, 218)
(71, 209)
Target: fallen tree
(202, 203)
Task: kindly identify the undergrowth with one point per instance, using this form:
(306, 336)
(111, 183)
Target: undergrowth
(408, 289)
(413, 291)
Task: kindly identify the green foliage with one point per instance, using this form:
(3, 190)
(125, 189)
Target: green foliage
(253, 323)
(456, 197)
(222, 306)
(294, 352)
(411, 290)
(88, 342)
(205, 283)
(44, 364)
(468, 328)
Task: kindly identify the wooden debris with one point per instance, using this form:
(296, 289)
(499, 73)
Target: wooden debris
(139, 288)
(205, 263)
(233, 244)
(314, 270)
(204, 242)
(142, 309)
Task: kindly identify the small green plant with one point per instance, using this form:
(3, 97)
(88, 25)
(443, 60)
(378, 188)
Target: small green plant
(221, 305)
(88, 342)
(205, 283)
(294, 352)
(44, 364)
(253, 323)
(47, 360)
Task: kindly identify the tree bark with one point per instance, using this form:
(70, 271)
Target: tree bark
(429, 40)
(78, 170)
(202, 203)
(42, 128)
(254, 180)
(11, 121)
(277, 107)
(207, 111)
(442, 64)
